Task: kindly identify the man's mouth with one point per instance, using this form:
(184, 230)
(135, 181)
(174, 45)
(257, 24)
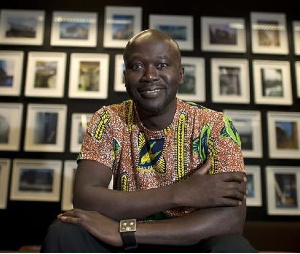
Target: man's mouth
(150, 93)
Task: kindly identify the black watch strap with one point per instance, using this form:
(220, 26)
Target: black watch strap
(127, 230)
(129, 240)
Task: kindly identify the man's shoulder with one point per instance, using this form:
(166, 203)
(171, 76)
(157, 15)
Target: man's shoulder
(117, 108)
(117, 114)
(200, 108)
(192, 104)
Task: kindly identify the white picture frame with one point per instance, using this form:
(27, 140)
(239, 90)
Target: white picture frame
(269, 33)
(11, 115)
(5, 164)
(89, 73)
(296, 36)
(283, 134)
(179, 27)
(119, 84)
(220, 34)
(283, 188)
(74, 29)
(36, 180)
(254, 191)
(272, 82)
(22, 27)
(297, 73)
(78, 128)
(193, 88)
(248, 124)
(45, 74)
(120, 24)
(11, 65)
(230, 80)
(70, 167)
(45, 127)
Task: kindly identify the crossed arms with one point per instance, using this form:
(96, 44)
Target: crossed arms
(220, 200)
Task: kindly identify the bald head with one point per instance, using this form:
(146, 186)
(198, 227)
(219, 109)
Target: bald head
(152, 36)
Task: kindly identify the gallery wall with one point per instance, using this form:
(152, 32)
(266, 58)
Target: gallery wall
(25, 215)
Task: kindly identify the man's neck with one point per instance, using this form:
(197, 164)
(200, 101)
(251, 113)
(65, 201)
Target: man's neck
(160, 121)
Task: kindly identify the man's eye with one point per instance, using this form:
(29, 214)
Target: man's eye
(161, 65)
(136, 67)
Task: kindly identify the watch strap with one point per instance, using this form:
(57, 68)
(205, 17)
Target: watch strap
(129, 241)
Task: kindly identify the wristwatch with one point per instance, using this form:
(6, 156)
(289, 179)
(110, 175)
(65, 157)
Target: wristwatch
(127, 230)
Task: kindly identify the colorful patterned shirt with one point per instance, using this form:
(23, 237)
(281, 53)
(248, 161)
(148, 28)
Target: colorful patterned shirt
(142, 159)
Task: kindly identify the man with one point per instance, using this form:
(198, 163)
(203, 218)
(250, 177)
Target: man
(177, 167)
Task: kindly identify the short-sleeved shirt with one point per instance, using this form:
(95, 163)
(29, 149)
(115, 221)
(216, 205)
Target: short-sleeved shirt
(142, 159)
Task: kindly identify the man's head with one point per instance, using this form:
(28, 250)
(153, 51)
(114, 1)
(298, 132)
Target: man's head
(153, 71)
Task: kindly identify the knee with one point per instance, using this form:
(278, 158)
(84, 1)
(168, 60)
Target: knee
(60, 236)
(59, 230)
(229, 243)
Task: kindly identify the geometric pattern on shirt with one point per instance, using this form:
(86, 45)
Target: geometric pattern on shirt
(101, 126)
(150, 154)
(181, 133)
(229, 131)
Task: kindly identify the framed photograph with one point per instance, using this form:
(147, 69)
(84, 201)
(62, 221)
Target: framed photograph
(193, 88)
(272, 82)
(120, 24)
(74, 29)
(230, 80)
(284, 134)
(36, 180)
(269, 33)
(11, 115)
(45, 75)
(254, 197)
(4, 179)
(223, 34)
(248, 124)
(70, 167)
(297, 71)
(119, 85)
(22, 27)
(11, 68)
(179, 27)
(45, 127)
(89, 75)
(283, 188)
(296, 36)
(78, 129)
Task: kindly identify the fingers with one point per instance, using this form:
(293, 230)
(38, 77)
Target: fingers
(232, 202)
(73, 213)
(233, 177)
(204, 168)
(236, 191)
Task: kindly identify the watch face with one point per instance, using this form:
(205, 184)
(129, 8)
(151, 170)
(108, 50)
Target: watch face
(128, 225)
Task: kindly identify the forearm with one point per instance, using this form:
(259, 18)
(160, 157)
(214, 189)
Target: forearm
(192, 228)
(91, 193)
(136, 204)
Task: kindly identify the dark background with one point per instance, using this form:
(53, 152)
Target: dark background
(25, 222)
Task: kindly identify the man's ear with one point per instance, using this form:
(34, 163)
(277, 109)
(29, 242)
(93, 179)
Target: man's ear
(124, 76)
(181, 77)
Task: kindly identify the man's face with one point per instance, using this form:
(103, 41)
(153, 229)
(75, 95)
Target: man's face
(152, 75)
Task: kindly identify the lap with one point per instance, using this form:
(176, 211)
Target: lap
(63, 237)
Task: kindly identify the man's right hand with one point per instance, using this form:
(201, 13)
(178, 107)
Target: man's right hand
(202, 190)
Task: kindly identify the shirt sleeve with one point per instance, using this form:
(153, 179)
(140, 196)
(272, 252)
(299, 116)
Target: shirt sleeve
(97, 144)
(225, 147)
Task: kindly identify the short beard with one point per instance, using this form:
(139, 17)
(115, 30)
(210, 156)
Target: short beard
(156, 110)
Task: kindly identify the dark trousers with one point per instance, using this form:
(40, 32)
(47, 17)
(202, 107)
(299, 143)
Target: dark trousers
(66, 238)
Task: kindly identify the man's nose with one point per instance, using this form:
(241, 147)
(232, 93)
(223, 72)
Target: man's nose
(150, 74)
